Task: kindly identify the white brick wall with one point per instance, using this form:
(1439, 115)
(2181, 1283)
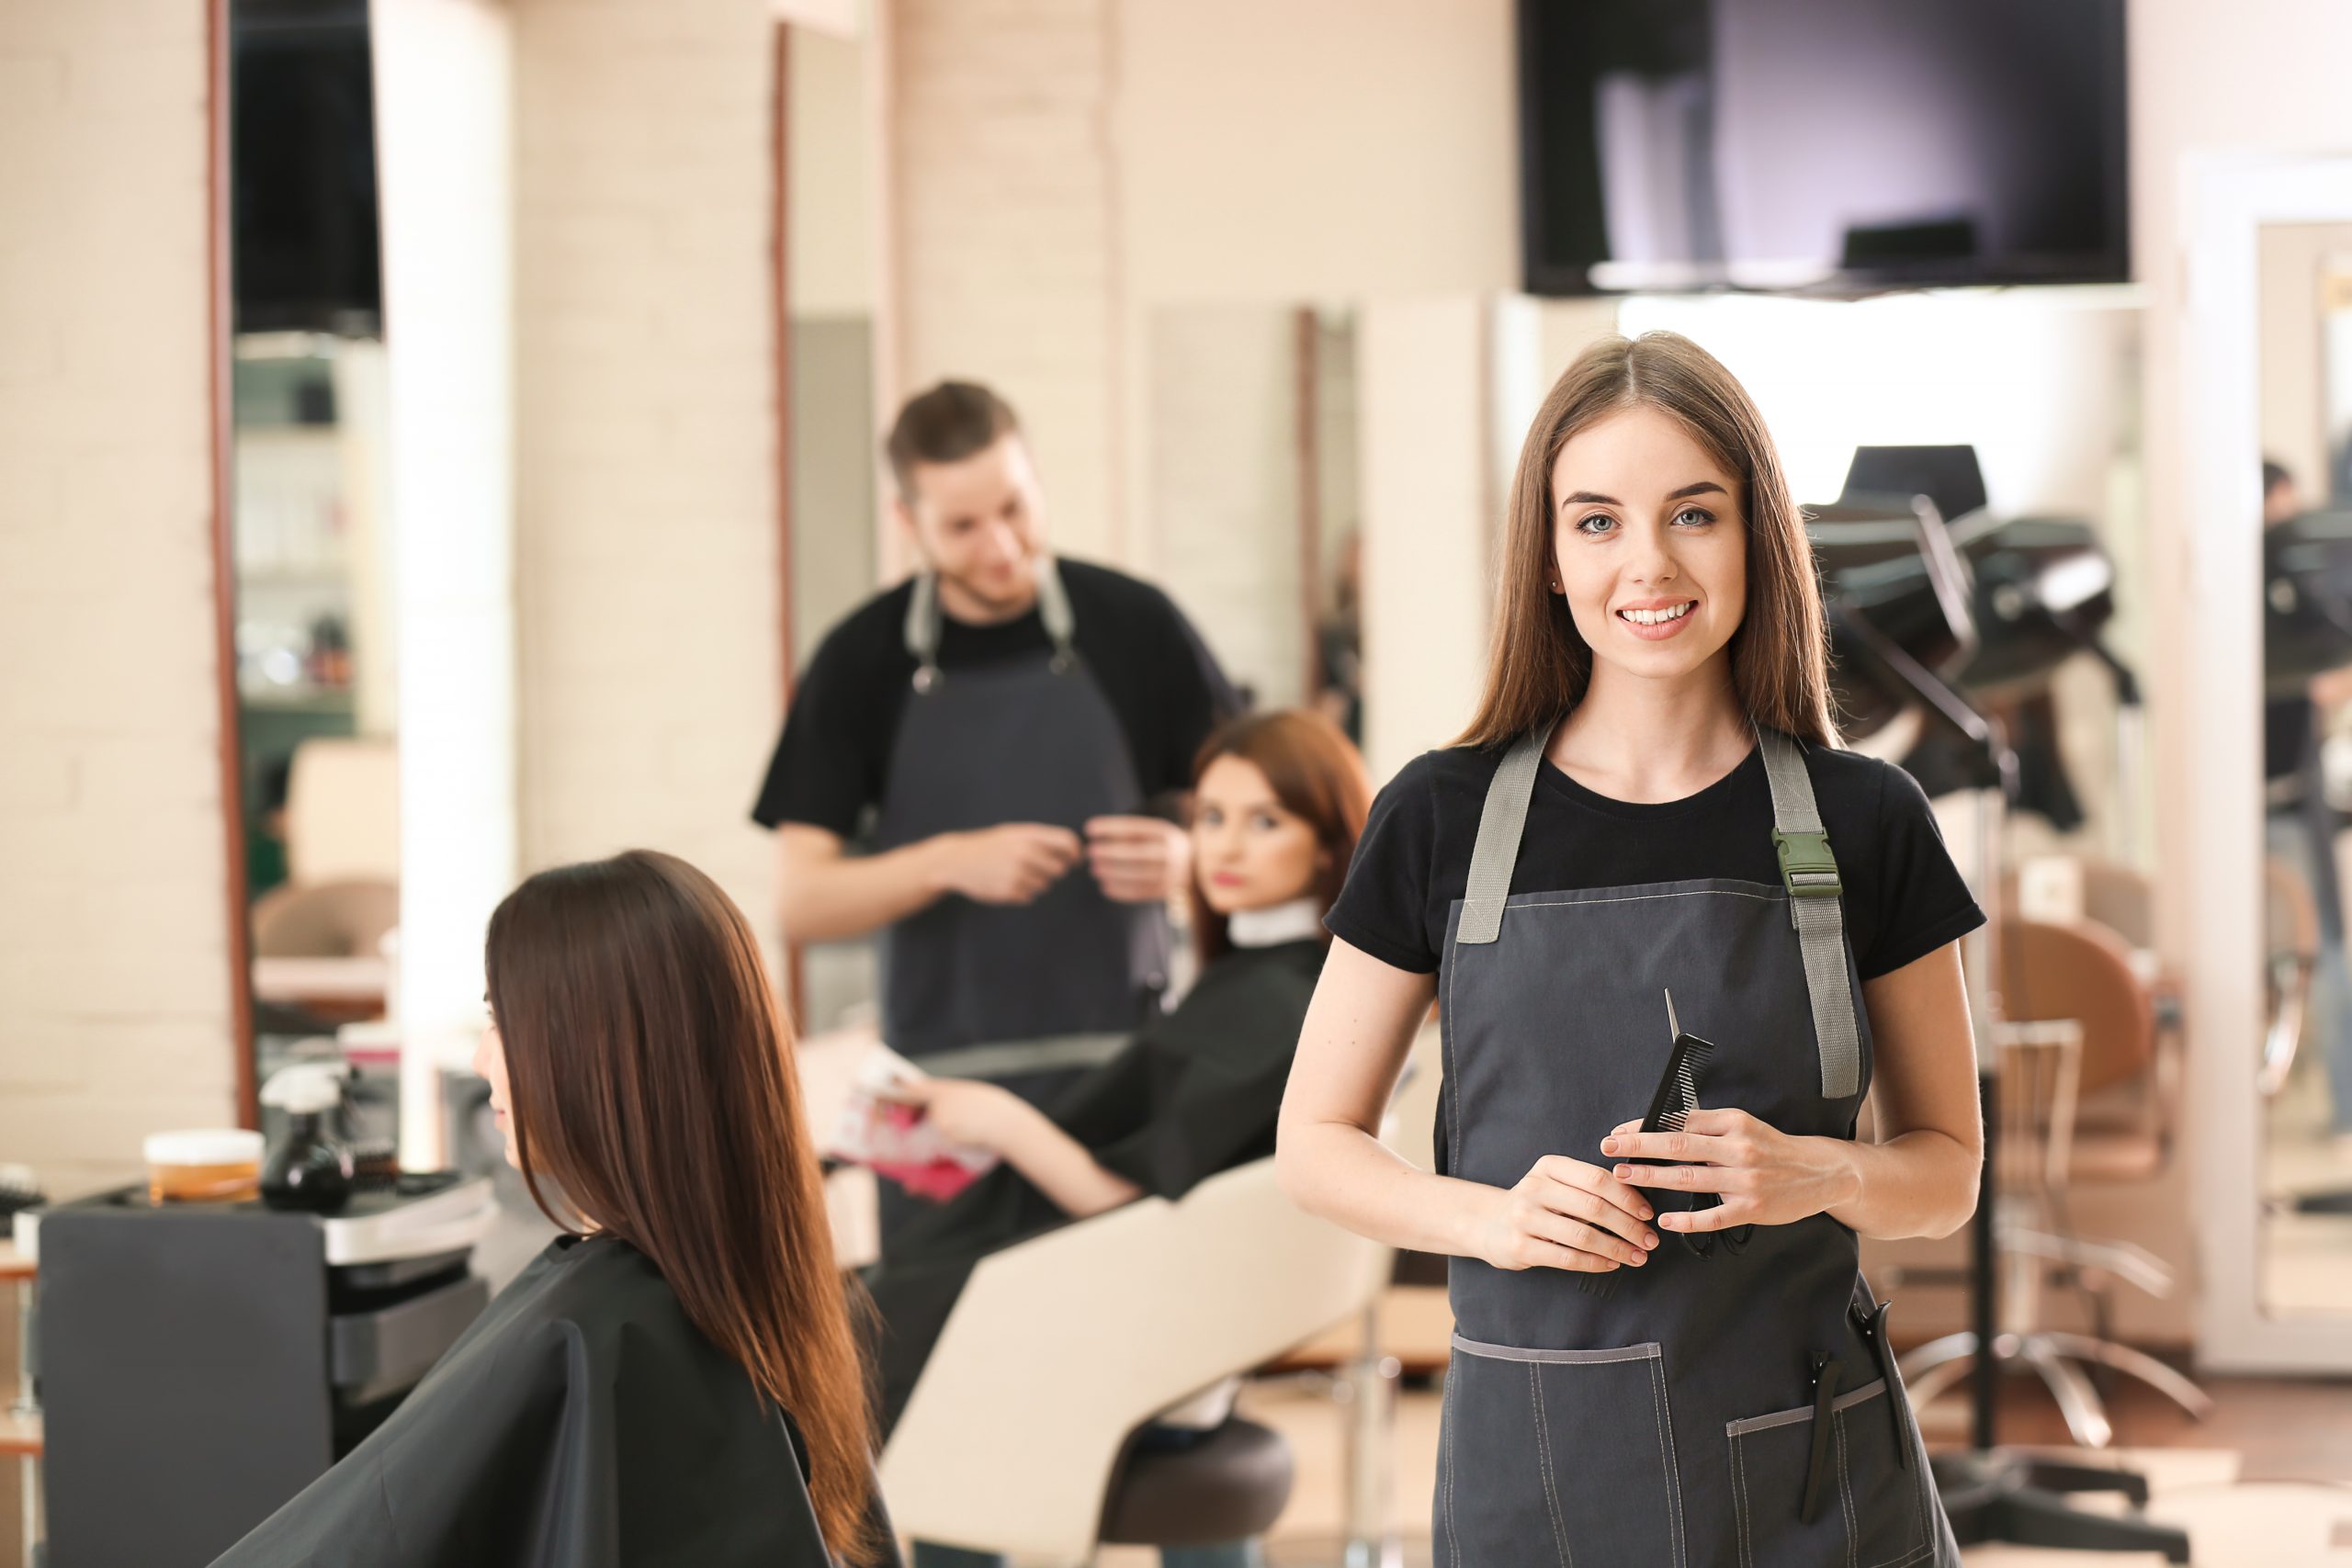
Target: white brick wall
(1005, 223)
(646, 566)
(114, 969)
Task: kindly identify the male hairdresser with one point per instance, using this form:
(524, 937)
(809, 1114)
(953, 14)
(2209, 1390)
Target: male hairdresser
(969, 765)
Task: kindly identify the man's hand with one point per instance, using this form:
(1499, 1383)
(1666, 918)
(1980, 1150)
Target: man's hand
(1011, 863)
(1138, 860)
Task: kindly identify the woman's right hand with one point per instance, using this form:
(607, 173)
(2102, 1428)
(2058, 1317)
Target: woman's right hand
(1565, 1214)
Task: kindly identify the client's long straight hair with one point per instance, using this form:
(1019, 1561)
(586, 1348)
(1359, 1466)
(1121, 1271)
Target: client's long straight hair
(651, 1079)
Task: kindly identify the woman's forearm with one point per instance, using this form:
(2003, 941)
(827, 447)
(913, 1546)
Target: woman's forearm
(1338, 1171)
(1920, 1183)
(1059, 1164)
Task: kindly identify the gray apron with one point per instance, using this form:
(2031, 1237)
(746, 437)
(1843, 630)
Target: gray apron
(1731, 1402)
(1027, 995)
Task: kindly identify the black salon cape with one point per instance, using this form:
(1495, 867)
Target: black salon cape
(1193, 1094)
(582, 1422)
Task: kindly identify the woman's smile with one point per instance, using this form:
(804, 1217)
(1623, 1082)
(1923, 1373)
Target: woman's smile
(1654, 620)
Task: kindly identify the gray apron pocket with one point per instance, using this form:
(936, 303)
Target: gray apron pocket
(1874, 1509)
(1558, 1457)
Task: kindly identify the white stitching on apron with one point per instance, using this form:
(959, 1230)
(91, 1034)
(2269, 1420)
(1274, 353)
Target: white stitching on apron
(1648, 898)
(1446, 1025)
(1665, 1457)
(1647, 1350)
(1739, 1503)
(1445, 1422)
(1543, 1459)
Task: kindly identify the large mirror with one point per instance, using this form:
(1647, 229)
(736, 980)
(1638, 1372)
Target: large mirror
(1251, 522)
(2305, 1066)
(833, 505)
(309, 542)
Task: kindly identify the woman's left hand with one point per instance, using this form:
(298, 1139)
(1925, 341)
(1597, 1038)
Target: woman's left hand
(1764, 1176)
(968, 1112)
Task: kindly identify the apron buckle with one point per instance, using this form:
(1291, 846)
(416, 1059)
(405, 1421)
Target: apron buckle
(1807, 868)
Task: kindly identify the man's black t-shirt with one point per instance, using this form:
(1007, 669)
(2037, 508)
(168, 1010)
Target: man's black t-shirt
(1904, 898)
(833, 759)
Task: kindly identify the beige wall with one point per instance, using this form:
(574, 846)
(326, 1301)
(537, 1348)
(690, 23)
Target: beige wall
(1316, 150)
(113, 968)
(1003, 211)
(646, 547)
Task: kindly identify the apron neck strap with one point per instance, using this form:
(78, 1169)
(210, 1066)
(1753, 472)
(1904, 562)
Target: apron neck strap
(1500, 826)
(1807, 870)
(1818, 909)
(923, 620)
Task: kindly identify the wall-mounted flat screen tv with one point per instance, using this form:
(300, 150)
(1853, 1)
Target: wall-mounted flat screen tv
(1830, 145)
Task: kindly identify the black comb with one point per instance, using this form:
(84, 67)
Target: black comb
(1671, 1102)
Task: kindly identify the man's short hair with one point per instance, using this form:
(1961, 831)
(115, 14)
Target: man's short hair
(946, 424)
(2274, 474)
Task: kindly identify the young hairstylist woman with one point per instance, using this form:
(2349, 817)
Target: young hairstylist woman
(674, 1380)
(1676, 1363)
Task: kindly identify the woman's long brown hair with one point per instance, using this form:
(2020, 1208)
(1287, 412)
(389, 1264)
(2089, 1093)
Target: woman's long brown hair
(1540, 665)
(652, 1079)
(1316, 774)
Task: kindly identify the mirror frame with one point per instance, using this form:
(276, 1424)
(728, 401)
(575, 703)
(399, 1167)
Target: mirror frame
(218, 317)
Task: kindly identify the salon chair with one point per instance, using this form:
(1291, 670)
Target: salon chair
(1153, 1303)
(349, 919)
(2081, 1027)
(1019, 1436)
(2293, 938)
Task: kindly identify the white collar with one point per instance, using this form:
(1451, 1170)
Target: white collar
(1271, 927)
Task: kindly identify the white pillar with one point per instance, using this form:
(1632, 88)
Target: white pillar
(443, 79)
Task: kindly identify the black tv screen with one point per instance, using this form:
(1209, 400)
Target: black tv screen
(1838, 145)
(303, 237)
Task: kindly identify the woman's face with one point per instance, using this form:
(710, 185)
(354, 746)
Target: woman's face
(1649, 545)
(489, 1061)
(1249, 850)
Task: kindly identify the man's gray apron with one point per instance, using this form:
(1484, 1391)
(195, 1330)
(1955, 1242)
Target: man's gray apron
(1732, 1402)
(1028, 994)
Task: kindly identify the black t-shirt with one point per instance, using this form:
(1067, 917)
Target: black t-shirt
(1904, 898)
(833, 759)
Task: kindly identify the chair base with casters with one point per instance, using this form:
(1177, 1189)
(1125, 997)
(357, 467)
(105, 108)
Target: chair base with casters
(2056, 1359)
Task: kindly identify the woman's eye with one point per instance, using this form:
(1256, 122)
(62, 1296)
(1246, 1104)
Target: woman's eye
(1599, 523)
(1697, 517)
(1264, 822)
(1212, 817)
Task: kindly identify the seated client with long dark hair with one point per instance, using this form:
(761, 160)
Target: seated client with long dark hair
(675, 1379)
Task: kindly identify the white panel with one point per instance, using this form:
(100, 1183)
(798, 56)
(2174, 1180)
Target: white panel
(1427, 509)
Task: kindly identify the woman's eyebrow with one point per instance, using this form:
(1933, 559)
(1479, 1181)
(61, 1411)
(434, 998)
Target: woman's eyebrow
(1593, 497)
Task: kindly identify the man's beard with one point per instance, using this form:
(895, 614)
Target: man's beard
(1016, 597)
